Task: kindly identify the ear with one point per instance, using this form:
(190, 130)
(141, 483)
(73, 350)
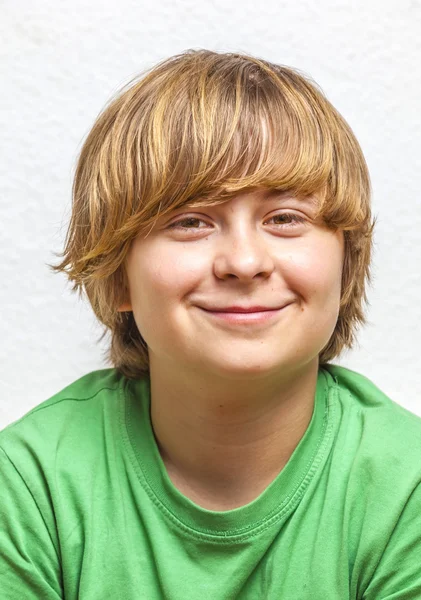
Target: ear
(125, 307)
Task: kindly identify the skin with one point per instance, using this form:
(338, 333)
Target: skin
(230, 403)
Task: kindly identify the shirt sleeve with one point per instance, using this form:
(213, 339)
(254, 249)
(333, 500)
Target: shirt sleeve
(29, 560)
(398, 573)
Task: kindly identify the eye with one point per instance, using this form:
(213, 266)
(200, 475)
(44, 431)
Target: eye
(294, 220)
(188, 221)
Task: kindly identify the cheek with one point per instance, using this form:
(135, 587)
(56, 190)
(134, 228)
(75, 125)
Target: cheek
(315, 270)
(174, 274)
(161, 277)
(160, 280)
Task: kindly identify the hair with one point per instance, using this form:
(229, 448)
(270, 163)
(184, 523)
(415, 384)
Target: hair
(199, 128)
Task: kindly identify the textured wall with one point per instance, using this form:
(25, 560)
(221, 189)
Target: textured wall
(61, 62)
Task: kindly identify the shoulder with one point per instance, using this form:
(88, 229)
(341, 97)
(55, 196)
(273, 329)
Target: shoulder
(386, 435)
(368, 398)
(64, 417)
(376, 454)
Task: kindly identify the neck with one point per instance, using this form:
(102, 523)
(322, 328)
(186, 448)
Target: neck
(222, 442)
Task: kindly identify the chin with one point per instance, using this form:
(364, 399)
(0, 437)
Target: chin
(241, 368)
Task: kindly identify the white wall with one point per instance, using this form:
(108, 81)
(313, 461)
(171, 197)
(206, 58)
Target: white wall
(61, 62)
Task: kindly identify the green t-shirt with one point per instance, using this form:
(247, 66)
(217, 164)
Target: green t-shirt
(88, 512)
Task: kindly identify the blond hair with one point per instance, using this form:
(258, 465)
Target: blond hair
(199, 128)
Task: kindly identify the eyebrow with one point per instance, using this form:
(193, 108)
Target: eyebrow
(285, 194)
(310, 200)
(276, 193)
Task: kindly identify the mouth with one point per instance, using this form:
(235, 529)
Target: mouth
(245, 318)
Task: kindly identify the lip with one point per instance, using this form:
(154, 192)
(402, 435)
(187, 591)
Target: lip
(240, 309)
(246, 318)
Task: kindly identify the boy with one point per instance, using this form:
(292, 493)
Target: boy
(222, 232)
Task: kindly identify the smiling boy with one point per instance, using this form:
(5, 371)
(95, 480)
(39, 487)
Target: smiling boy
(222, 232)
(221, 446)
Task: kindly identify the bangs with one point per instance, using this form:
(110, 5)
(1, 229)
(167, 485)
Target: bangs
(247, 131)
(199, 129)
(224, 128)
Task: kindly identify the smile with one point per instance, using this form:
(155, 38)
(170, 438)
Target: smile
(251, 318)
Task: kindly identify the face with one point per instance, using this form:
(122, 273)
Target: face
(256, 250)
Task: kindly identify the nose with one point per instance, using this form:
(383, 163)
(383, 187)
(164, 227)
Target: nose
(243, 254)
